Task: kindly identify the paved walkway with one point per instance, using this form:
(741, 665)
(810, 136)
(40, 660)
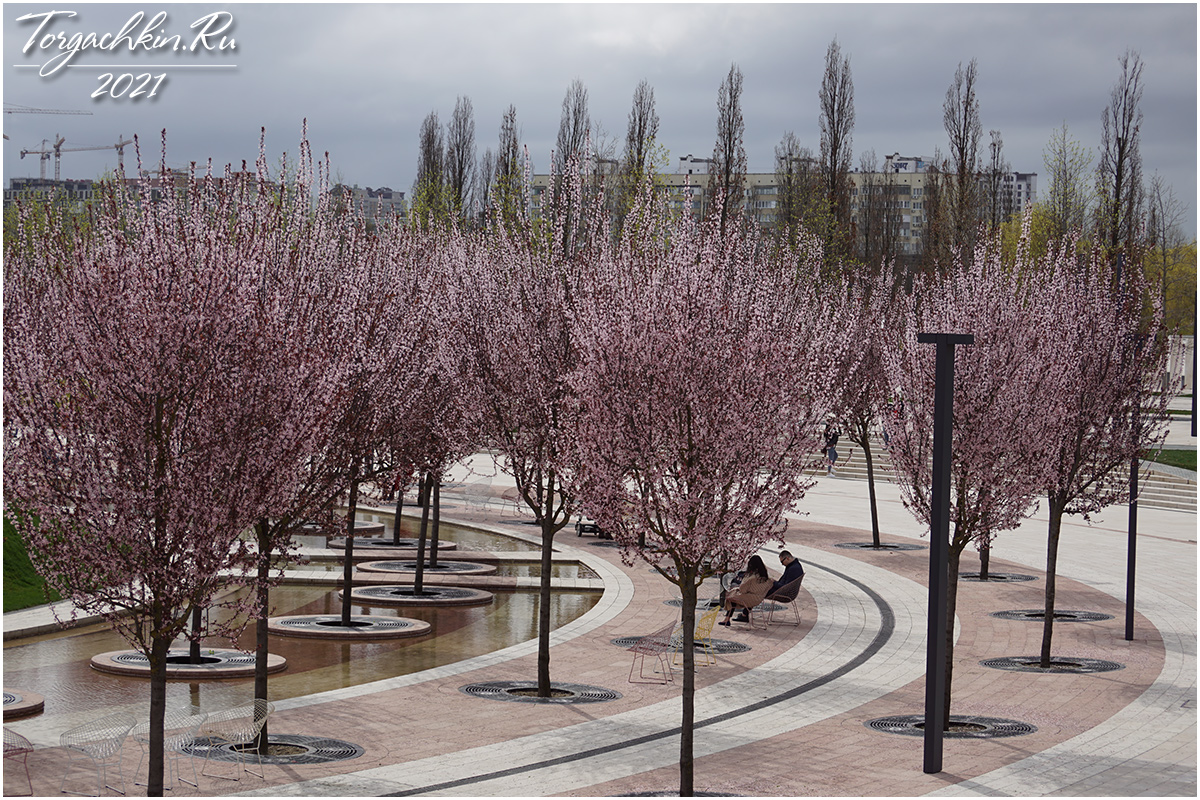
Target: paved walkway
(787, 718)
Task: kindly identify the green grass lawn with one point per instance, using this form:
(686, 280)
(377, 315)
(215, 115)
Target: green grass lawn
(1176, 458)
(23, 587)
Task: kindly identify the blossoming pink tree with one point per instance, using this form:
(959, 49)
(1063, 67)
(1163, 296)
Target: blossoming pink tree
(1001, 387)
(874, 309)
(1108, 357)
(514, 325)
(705, 371)
(158, 398)
(387, 346)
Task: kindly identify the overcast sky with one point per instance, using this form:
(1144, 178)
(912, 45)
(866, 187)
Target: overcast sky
(366, 75)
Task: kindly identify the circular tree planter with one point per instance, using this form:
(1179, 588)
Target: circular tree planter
(430, 596)
(442, 568)
(883, 546)
(961, 726)
(215, 664)
(996, 577)
(19, 704)
(1039, 615)
(1058, 665)
(283, 749)
(361, 628)
(526, 692)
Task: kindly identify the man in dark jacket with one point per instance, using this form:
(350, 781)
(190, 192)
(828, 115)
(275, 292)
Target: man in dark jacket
(792, 569)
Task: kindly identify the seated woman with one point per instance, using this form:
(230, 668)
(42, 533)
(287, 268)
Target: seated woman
(753, 589)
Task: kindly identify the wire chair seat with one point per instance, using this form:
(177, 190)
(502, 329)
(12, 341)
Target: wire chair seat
(180, 726)
(238, 727)
(656, 644)
(100, 740)
(17, 747)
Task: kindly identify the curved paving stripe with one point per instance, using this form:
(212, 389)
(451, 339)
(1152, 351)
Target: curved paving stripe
(862, 646)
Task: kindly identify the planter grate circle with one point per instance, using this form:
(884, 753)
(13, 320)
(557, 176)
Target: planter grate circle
(442, 568)
(1059, 665)
(432, 592)
(320, 623)
(1039, 615)
(306, 750)
(997, 577)
(882, 547)
(723, 646)
(180, 658)
(977, 727)
(671, 793)
(569, 693)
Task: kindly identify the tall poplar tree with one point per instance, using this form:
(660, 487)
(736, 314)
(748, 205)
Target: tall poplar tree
(727, 171)
(837, 136)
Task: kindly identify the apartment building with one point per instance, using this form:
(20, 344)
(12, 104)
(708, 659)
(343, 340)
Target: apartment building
(71, 191)
(373, 203)
(900, 187)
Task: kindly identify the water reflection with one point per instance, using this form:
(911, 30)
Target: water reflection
(57, 665)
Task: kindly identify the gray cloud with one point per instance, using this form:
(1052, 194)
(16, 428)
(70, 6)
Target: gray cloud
(366, 75)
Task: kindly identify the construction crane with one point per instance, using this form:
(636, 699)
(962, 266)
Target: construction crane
(13, 108)
(44, 154)
(57, 149)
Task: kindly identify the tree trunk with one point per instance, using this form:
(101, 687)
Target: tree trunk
(687, 638)
(543, 661)
(866, 448)
(159, 646)
(953, 558)
(261, 636)
(423, 493)
(437, 521)
(985, 556)
(399, 508)
(1057, 505)
(348, 566)
(197, 624)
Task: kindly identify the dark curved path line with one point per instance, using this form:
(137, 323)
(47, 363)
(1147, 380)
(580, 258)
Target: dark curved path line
(886, 628)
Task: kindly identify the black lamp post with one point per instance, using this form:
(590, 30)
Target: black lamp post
(939, 542)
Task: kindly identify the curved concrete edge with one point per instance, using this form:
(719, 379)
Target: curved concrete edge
(30, 703)
(104, 662)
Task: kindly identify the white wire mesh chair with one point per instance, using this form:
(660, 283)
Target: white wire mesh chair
(179, 733)
(238, 726)
(17, 747)
(101, 741)
(657, 644)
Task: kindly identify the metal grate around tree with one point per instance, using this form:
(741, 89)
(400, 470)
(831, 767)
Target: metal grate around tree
(1058, 665)
(961, 726)
(997, 577)
(289, 750)
(884, 546)
(1039, 615)
(525, 692)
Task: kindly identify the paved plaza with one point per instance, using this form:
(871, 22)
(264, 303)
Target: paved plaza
(787, 717)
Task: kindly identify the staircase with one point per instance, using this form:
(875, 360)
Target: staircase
(1159, 486)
